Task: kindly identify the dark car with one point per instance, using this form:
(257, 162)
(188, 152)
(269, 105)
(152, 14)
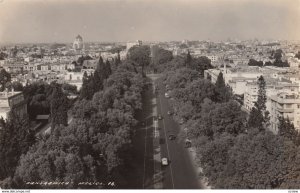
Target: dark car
(172, 137)
(188, 143)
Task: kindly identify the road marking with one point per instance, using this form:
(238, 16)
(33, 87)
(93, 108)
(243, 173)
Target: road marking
(145, 153)
(167, 144)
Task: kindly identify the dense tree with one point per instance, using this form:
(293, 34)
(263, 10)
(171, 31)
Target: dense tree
(99, 75)
(37, 96)
(81, 59)
(253, 62)
(140, 55)
(17, 86)
(286, 129)
(223, 92)
(69, 89)
(180, 77)
(58, 107)
(15, 139)
(188, 59)
(88, 86)
(259, 116)
(278, 55)
(159, 57)
(256, 118)
(107, 69)
(117, 49)
(297, 55)
(233, 154)
(200, 64)
(96, 145)
(118, 59)
(2, 55)
(5, 77)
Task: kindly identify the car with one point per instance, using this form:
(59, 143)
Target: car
(159, 117)
(181, 121)
(169, 112)
(164, 161)
(172, 137)
(167, 95)
(188, 143)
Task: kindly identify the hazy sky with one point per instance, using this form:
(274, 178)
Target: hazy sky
(152, 20)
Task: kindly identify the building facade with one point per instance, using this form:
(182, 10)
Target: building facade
(12, 101)
(78, 43)
(286, 105)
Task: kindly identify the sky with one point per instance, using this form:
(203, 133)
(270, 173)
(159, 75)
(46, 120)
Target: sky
(45, 21)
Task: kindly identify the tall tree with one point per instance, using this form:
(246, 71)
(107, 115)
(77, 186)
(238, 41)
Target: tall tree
(59, 107)
(99, 75)
(118, 60)
(188, 59)
(287, 129)
(107, 69)
(262, 96)
(223, 92)
(88, 87)
(140, 55)
(259, 116)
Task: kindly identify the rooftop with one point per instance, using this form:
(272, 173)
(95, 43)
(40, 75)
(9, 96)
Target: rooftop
(5, 95)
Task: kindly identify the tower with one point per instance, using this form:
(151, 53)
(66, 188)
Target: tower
(78, 43)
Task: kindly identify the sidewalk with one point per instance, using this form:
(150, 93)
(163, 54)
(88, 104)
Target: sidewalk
(202, 179)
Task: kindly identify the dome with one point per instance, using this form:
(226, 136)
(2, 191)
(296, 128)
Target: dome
(79, 37)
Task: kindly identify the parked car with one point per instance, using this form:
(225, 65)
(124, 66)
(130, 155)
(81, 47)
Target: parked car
(160, 117)
(167, 95)
(188, 143)
(172, 137)
(167, 87)
(164, 161)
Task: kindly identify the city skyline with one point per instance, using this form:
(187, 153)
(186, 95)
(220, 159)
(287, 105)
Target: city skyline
(35, 21)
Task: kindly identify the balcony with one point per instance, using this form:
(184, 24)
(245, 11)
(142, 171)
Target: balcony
(285, 110)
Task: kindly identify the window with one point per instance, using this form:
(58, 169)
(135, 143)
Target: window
(288, 106)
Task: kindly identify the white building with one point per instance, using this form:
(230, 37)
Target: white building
(131, 44)
(286, 105)
(12, 100)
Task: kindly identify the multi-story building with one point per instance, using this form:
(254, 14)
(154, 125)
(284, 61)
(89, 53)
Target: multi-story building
(213, 58)
(12, 101)
(74, 78)
(286, 105)
(212, 75)
(90, 64)
(14, 68)
(273, 86)
(58, 67)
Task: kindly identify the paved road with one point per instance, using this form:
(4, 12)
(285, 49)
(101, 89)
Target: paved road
(181, 173)
(142, 173)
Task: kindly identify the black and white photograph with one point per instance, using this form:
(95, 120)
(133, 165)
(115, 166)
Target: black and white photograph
(149, 95)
